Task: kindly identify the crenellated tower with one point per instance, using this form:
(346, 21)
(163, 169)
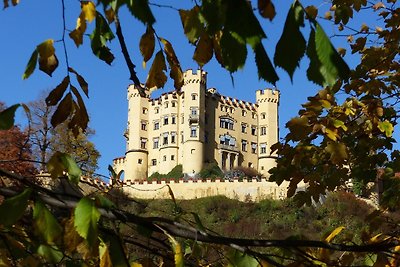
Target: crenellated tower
(136, 155)
(194, 89)
(268, 130)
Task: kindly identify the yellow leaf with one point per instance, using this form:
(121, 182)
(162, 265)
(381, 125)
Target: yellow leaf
(147, 44)
(77, 34)
(328, 15)
(386, 127)
(204, 50)
(334, 233)
(339, 124)
(331, 134)
(46, 49)
(88, 10)
(136, 264)
(337, 151)
(177, 249)
(157, 78)
(325, 103)
(104, 255)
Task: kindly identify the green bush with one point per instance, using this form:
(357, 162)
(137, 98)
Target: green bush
(211, 170)
(175, 173)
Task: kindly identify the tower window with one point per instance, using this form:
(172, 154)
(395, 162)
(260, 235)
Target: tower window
(144, 110)
(244, 127)
(143, 142)
(164, 158)
(194, 96)
(253, 115)
(172, 157)
(156, 125)
(263, 116)
(244, 113)
(144, 125)
(173, 137)
(253, 130)
(193, 110)
(139, 161)
(263, 148)
(165, 139)
(153, 162)
(173, 120)
(244, 145)
(156, 110)
(193, 131)
(155, 143)
(166, 120)
(253, 148)
(263, 130)
(226, 123)
(173, 104)
(166, 105)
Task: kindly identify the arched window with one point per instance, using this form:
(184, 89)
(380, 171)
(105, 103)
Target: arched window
(194, 96)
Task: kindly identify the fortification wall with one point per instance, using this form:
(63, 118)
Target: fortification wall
(190, 189)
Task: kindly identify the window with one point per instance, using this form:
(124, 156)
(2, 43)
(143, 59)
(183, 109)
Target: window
(244, 145)
(143, 142)
(263, 148)
(227, 140)
(144, 110)
(173, 104)
(139, 161)
(155, 143)
(173, 120)
(156, 125)
(232, 110)
(194, 96)
(193, 131)
(165, 139)
(166, 120)
(222, 108)
(144, 125)
(244, 113)
(164, 158)
(226, 123)
(244, 127)
(254, 148)
(263, 115)
(172, 157)
(183, 119)
(253, 130)
(193, 110)
(166, 105)
(262, 168)
(173, 138)
(156, 110)
(153, 162)
(263, 130)
(253, 115)
(182, 139)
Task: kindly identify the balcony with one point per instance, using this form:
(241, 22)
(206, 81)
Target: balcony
(193, 118)
(228, 147)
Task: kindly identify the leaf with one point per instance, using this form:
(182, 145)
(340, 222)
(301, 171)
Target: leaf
(192, 26)
(313, 71)
(157, 77)
(63, 110)
(239, 259)
(62, 162)
(266, 9)
(88, 10)
(146, 45)
(287, 55)
(332, 64)
(266, 70)
(204, 50)
(57, 93)
(334, 233)
(103, 202)
(177, 249)
(52, 254)
(337, 151)
(234, 52)
(30, 67)
(104, 255)
(48, 61)
(45, 223)
(80, 112)
(77, 34)
(116, 250)
(311, 12)
(86, 219)
(212, 16)
(82, 83)
(298, 128)
(7, 117)
(331, 134)
(140, 9)
(99, 38)
(176, 71)
(386, 127)
(13, 208)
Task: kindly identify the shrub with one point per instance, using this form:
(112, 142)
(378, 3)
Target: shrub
(248, 171)
(175, 173)
(211, 170)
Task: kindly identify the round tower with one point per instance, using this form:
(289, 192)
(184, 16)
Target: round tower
(194, 89)
(268, 128)
(136, 156)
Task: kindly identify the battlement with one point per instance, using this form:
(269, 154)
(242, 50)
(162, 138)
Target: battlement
(191, 76)
(135, 91)
(226, 100)
(267, 95)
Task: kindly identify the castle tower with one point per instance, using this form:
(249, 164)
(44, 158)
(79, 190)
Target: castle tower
(137, 144)
(268, 102)
(194, 89)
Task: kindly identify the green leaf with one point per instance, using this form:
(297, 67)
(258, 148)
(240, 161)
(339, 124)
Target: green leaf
(266, 70)
(212, 14)
(57, 93)
(30, 67)
(7, 117)
(85, 221)
(386, 127)
(118, 257)
(337, 151)
(241, 21)
(103, 202)
(204, 50)
(52, 254)
(45, 223)
(292, 45)
(239, 259)
(332, 64)
(63, 110)
(60, 162)
(313, 71)
(141, 10)
(99, 38)
(234, 52)
(192, 26)
(12, 209)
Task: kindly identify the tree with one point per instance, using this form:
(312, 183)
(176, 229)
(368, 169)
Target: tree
(333, 139)
(46, 139)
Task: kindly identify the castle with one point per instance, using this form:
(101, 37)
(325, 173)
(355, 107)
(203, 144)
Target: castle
(195, 126)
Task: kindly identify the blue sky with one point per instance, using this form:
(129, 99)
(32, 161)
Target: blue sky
(31, 22)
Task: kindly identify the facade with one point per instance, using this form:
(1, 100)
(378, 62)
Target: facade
(195, 126)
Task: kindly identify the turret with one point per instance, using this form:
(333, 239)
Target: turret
(268, 102)
(194, 89)
(137, 143)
